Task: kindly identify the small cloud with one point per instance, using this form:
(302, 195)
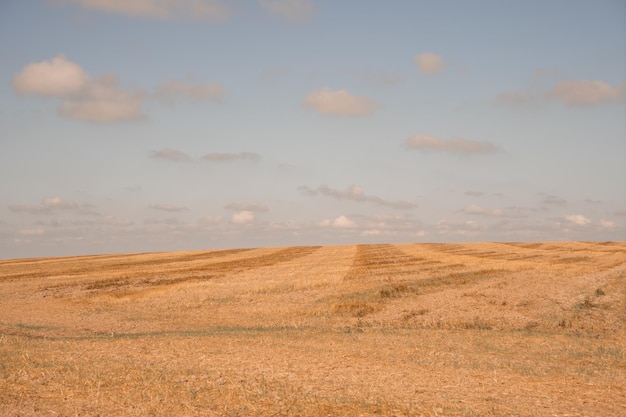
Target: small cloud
(57, 202)
(58, 77)
(355, 193)
(341, 222)
(458, 145)
(171, 90)
(258, 208)
(37, 231)
(339, 102)
(466, 228)
(209, 10)
(134, 189)
(619, 212)
(242, 217)
(586, 93)
(429, 63)
(578, 219)
(474, 193)
(225, 157)
(168, 207)
(371, 232)
(480, 211)
(171, 155)
(607, 224)
(290, 10)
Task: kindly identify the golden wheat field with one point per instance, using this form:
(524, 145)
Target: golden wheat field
(480, 329)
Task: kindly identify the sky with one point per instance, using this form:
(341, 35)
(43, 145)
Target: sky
(166, 125)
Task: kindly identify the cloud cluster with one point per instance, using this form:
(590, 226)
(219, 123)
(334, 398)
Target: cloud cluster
(586, 93)
(340, 102)
(429, 63)
(574, 93)
(100, 99)
(459, 145)
(355, 193)
(290, 10)
(48, 205)
(82, 97)
(210, 10)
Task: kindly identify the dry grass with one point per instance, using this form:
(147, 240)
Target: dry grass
(487, 329)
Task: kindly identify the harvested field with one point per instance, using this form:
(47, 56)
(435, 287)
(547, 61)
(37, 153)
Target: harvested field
(481, 329)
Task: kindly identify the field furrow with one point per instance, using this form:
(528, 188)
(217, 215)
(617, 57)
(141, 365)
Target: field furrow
(392, 329)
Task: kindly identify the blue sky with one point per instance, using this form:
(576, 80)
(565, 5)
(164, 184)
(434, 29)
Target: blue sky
(156, 125)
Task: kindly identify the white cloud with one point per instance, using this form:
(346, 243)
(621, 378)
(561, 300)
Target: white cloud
(355, 193)
(291, 10)
(458, 145)
(339, 102)
(607, 224)
(586, 93)
(57, 202)
(171, 90)
(168, 207)
(48, 205)
(57, 78)
(243, 217)
(497, 212)
(37, 231)
(210, 10)
(429, 63)
(372, 232)
(466, 228)
(171, 155)
(224, 157)
(341, 222)
(578, 219)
